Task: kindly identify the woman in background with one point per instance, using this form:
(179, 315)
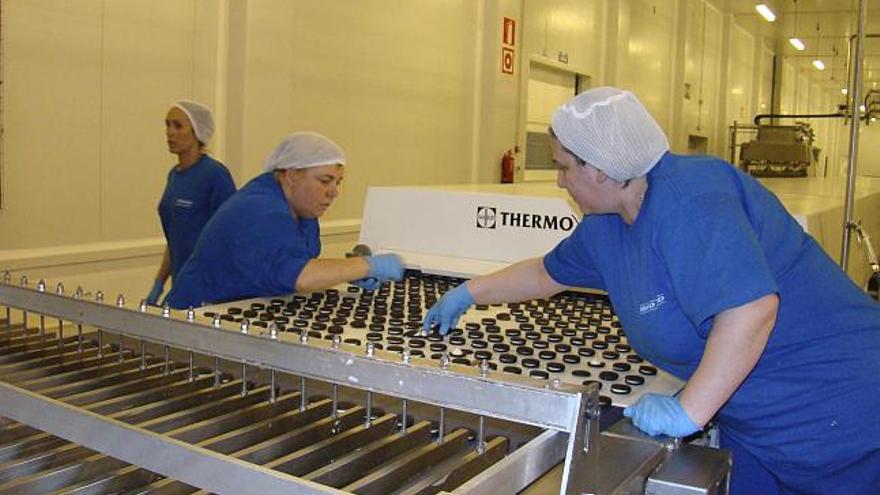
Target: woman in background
(266, 240)
(197, 185)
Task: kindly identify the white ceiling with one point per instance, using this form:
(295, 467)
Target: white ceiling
(836, 20)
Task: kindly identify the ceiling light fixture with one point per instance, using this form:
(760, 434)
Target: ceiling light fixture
(794, 40)
(819, 64)
(765, 12)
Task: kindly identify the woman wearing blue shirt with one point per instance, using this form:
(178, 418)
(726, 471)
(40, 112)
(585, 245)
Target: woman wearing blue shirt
(196, 187)
(717, 284)
(265, 240)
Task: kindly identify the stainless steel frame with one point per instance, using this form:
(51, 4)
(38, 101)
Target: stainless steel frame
(192, 464)
(569, 413)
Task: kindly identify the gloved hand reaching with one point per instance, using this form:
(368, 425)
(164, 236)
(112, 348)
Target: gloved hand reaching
(446, 312)
(367, 283)
(155, 292)
(385, 267)
(661, 414)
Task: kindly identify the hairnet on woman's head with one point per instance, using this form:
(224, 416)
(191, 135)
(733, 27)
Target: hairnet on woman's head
(610, 129)
(200, 119)
(304, 150)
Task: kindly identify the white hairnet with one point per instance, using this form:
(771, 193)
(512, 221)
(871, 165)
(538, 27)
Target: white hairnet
(304, 150)
(199, 117)
(610, 129)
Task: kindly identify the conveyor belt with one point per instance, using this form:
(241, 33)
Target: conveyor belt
(330, 443)
(108, 399)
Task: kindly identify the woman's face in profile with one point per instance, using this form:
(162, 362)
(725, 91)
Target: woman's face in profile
(179, 132)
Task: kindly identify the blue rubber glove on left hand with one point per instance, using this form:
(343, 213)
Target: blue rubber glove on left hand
(661, 414)
(446, 312)
(385, 267)
(155, 292)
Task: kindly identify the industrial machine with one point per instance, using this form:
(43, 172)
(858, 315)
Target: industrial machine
(330, 393)
(779, 151)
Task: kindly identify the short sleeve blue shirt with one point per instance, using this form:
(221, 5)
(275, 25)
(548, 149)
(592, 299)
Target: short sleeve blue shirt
(252, 247)
(710, 238)
(190, 199)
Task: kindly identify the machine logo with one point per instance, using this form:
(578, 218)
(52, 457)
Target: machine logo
(486, 216)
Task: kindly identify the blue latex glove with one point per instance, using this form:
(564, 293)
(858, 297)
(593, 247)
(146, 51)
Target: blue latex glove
(385, 267)
(155, 292)
(446, 312)
(657, 414)
(367, 283)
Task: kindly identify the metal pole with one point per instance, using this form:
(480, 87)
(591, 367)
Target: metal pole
(856, 120)
(733, 145)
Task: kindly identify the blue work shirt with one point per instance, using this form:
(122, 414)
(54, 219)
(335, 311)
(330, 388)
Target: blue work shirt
(191, 197)
(252, 247)
(709, 238)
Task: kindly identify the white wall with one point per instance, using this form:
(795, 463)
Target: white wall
(763, 79)
(415, 98)
(85, 97)
(701, 90)
(741, 70)
(646, 63)
(395, 91)
(788, 87)
(412, 90)
(869, 151)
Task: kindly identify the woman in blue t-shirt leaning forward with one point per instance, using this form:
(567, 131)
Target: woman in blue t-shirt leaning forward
(716, 283)
(197, 185)
(266, 240)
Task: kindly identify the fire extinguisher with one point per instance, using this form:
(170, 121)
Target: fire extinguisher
(508, 165)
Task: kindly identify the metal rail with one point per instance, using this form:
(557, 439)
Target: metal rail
(856, 92)
(193, 464)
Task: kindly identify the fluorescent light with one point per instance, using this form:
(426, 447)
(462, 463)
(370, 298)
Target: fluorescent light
(765, 12)
(796, 43)
(819, 64)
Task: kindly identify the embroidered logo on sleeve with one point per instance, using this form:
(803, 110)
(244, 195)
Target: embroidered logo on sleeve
(652, 305)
